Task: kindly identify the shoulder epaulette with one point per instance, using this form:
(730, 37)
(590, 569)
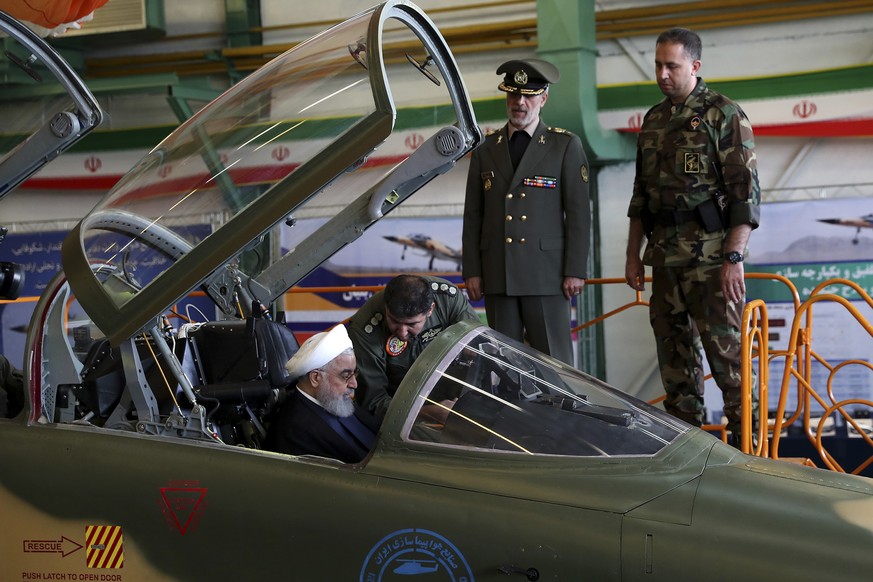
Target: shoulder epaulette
(560, 130)
(374, 323)
(444, 288)
(491, 132)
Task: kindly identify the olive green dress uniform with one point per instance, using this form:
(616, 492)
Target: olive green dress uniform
(527, 229)
(382, 358)
(685, 156)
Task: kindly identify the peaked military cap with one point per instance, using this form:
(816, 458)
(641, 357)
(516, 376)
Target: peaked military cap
(528, 76)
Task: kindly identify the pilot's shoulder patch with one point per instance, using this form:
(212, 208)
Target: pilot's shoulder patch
(373, 323)
(444, 288)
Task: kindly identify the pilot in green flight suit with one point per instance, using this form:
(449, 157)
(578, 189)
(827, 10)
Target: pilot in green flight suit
(393, 327)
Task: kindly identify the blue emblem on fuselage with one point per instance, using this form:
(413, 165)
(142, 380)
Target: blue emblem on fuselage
(413, 552)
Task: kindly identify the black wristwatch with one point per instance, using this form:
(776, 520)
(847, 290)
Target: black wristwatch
(734, 257)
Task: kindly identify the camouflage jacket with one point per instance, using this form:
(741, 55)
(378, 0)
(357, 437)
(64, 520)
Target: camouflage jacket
(684, 157)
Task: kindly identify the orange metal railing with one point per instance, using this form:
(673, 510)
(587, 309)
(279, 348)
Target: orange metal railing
(798, 364)
(794, 373)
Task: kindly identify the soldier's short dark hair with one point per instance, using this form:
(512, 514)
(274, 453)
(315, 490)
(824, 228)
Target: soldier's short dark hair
(687, 38)
(408, 296)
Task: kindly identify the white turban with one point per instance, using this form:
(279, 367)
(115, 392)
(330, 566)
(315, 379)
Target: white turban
(318, 350)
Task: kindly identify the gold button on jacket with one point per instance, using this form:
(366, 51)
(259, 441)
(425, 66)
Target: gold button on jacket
(550, 225)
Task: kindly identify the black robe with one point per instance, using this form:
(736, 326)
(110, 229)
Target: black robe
(302, 427)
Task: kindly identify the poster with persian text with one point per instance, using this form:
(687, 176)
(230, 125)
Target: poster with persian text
(820, 248)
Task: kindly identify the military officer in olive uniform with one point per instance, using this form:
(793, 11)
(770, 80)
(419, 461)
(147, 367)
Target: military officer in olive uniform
(527, 217)
(393, 327)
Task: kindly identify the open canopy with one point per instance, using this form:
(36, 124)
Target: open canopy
(37, 134)
(327, 105)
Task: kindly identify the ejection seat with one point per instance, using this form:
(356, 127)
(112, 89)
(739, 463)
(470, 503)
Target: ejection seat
(239, 372)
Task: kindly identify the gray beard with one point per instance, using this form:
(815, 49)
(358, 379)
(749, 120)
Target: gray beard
(336, 405)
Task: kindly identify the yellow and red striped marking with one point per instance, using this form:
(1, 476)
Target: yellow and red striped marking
(105, 546)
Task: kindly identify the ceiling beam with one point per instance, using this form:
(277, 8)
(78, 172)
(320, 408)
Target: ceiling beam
(496, 36)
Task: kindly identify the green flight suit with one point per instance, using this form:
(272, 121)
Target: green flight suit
(383, 359)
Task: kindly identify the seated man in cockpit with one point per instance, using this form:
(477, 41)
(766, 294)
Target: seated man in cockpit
(319, 416)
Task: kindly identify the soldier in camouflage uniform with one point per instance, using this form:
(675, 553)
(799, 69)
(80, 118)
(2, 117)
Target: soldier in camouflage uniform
(393, 327)
(696, 196)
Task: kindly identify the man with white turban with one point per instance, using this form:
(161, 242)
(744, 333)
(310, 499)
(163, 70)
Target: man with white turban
(319, 416)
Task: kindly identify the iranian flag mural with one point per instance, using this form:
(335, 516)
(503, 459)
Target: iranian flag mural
(834, 103)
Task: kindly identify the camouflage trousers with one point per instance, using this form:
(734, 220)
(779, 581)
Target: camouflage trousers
(689, 313)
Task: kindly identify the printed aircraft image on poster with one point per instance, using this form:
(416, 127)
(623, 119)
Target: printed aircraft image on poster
(436, 249)
(138, 455)
(858, 223)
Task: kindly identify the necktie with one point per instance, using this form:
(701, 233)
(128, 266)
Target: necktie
(517, 144)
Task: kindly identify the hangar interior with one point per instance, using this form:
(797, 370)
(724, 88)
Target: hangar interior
(804, 69)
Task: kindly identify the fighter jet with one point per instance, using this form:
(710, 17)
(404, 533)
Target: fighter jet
(860, 222)
(141, 458)
(436, 249)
